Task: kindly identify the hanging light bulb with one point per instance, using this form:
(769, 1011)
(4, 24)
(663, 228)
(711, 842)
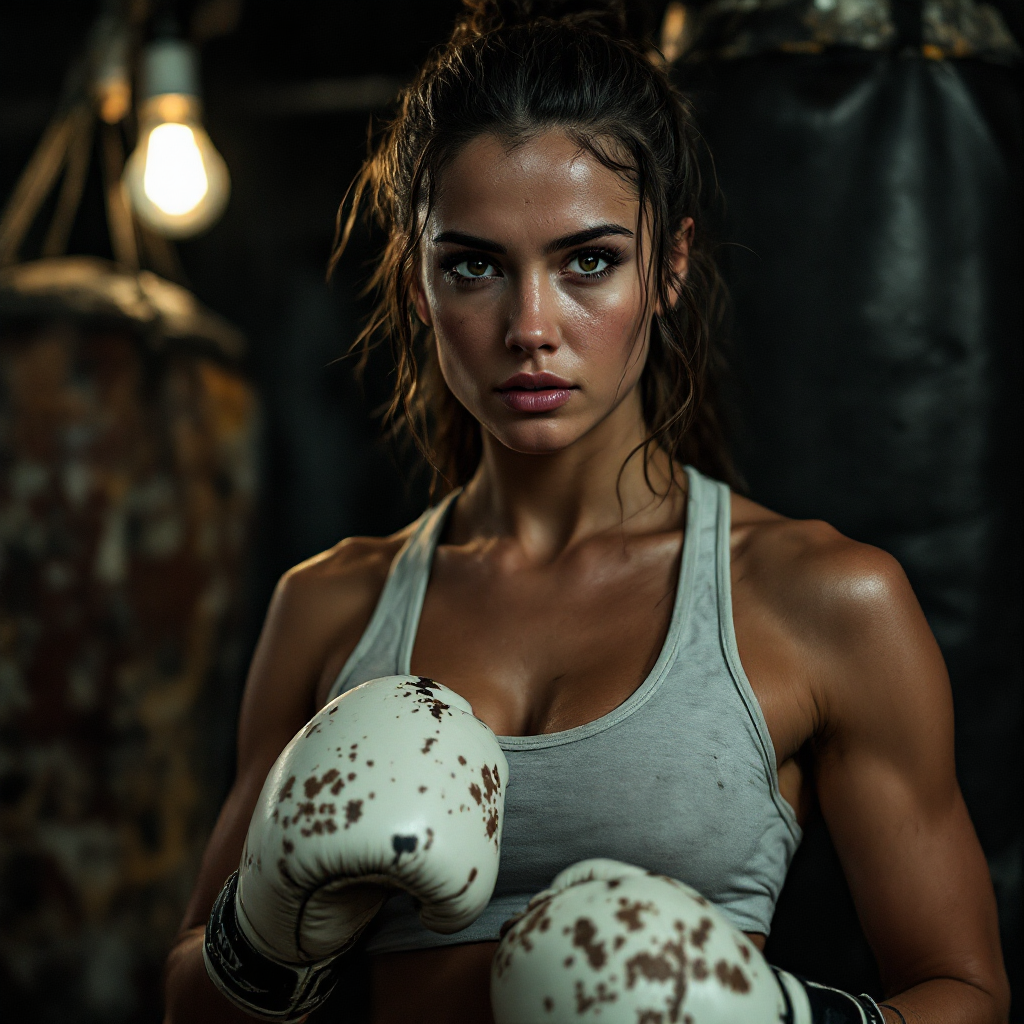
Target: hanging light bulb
(177, 183)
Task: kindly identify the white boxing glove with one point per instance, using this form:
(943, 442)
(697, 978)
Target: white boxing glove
(612, 943)
(394, 785)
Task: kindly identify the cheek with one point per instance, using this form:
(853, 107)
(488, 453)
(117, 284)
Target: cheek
(455, 324)
(468, 342)
(463, 337)
(601, 330)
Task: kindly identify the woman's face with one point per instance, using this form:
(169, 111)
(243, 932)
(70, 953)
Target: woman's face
(530, 281)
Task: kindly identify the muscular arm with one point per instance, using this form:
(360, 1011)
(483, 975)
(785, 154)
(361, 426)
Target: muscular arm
(315, 618)
(885, 777)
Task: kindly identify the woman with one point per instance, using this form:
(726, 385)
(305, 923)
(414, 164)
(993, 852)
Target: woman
(674, 671)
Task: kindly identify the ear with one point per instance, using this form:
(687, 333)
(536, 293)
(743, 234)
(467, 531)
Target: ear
(419, 299)
(680, 259)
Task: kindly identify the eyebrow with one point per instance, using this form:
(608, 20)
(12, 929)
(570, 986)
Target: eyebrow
(587, 235)
(565, 242)
(471, 241)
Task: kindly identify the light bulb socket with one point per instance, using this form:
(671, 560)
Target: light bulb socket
(171, 106)
(170, 66)
(111, 84)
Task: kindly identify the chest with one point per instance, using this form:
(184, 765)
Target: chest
(678, 786)
(540, 649)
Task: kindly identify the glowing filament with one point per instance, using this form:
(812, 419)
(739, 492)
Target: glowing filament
(174, 179)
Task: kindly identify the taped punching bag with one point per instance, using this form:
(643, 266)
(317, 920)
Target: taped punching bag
(869, 160)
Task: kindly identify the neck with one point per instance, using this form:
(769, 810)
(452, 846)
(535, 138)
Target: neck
(549, 502)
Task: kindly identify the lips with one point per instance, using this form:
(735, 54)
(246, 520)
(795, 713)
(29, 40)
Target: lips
(535, 392)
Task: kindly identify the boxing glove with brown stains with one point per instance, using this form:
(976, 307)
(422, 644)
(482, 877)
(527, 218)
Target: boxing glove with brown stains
(394, 785)
(612, 943)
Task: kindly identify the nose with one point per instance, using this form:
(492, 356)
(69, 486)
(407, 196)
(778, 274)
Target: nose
(533, 320)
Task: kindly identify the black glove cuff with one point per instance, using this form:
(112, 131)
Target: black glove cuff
(259, 985)
(830, 1005)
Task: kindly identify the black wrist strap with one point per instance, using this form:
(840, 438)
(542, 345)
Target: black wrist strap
(830, 1005)
(833, 1006)
(252, 981)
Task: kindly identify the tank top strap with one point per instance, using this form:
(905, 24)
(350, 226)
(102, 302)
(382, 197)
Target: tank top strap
(703, 518)
(411, 574)
(385, 648)
(721, 565)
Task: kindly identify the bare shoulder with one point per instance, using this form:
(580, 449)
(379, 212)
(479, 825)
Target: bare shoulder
(807, 567)
(329, 599)
(316, 616)
(845, 607)
(342, 579)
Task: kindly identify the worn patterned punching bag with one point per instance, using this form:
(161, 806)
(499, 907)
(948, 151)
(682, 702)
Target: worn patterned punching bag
(126, 484)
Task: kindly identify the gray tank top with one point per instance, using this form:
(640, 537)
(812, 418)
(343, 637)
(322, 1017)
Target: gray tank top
(680, 778)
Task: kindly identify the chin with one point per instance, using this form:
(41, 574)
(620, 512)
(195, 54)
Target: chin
(535, 438)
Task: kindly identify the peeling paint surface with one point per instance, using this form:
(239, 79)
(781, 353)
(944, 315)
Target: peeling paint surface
(126, 483)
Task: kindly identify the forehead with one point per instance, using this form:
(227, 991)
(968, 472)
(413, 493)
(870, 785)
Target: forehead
(540, 188)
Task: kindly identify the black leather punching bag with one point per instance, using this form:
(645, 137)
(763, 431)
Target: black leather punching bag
(872, 234)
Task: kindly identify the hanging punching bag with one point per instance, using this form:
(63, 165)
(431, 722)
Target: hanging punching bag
(869, 158)
(127, 442)
(126, 483)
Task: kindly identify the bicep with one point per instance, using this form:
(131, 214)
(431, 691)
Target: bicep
(887, 787)
(224, 849)
(277, 701)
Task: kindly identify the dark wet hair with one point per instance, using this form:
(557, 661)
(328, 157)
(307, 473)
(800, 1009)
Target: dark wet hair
(513, 68)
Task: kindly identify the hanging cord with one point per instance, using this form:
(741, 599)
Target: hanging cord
(78, 153)
(119, 215)
(34, 185)
(90, 95)
(66, 143)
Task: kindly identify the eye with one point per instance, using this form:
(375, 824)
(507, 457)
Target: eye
(474, 269)
(588, 264)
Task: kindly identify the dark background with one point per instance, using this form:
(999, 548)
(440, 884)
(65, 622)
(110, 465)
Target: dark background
(815, 422)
